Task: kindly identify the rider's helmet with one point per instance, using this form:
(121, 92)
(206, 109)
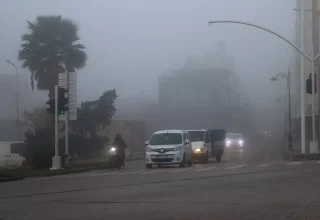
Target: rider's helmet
(118, 137)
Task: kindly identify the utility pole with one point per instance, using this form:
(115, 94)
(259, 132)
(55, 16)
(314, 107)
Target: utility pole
(315, 38)
(66, 159)
(314, 52)
(314, 148)
(56, 159)
(302, 79)
(17, 101)
(287, 116)
(289, 112)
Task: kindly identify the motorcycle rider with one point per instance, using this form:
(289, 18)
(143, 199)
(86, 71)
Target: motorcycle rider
(119, 142)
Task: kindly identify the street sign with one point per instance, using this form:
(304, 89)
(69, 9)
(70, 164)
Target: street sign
(72, 94)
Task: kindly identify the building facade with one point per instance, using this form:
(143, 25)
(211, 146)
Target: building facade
(207, 80)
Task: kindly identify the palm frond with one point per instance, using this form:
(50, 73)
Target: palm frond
(50, 43)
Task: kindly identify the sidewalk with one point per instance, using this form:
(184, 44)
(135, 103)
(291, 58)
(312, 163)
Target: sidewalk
(75, 167)
(297, 155)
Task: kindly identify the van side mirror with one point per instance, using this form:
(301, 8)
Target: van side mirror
(186, 142)
(146, 143)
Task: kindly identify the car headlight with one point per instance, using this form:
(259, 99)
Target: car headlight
(228, 142)
(177, 148)
(148, 149)
(241, 142)
(113, 149)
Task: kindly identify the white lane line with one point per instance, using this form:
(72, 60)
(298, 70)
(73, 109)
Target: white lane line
(44, 178)
(75, 175)
(180, 170)
(130, 172)
(205, 169)
(294, 163)
(235, 167)
(101, 174)
(265, 165)
(150, 172)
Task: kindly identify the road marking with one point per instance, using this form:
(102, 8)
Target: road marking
(75, 175)
(265, 165)
(131, 172)
(235, 167)
(150, 172)
(100, 174)
(294, 163)
(205, 169)
(180, 170)
(318, 161)
(44, 178)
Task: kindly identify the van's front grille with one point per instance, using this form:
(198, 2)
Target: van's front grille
(167, 160)
(163, 150)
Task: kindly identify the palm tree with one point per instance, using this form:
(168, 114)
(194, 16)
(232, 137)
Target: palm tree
(51, 47)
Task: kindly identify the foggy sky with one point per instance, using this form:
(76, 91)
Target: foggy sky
(130, 43)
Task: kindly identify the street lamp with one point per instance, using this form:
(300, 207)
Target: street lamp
(287, 77)
(314, 144)
(17, 97)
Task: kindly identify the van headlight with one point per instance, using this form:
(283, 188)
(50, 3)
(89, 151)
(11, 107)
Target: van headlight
(148, 149)
(199, 150)
(177, 148)
(241, 142)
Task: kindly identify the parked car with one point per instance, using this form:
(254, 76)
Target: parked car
(11, 154)
(201, 144)
(168, 147)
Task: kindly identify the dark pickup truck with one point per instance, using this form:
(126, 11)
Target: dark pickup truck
(218, 137)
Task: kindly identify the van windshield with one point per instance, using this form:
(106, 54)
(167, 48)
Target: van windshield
(196, 136)
(166, 139)
(234, 136)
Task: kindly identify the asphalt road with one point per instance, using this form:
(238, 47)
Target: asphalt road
(244, 187)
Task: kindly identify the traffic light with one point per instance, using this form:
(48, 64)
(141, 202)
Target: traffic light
(62, 101)
(309, 84)
(51, 102)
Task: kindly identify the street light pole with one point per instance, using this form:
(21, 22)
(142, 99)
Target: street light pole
(17, 99)
(287, 77)
(289, 112)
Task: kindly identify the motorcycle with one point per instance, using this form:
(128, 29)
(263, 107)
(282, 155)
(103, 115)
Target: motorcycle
(114, 158)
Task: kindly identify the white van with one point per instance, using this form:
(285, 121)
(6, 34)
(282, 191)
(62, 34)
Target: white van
(201, 144)
(11, 154)
(169, 147)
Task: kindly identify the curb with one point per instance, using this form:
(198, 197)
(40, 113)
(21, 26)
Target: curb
(69, 171)
(61, 172)
(302, 157)
(8, 179)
